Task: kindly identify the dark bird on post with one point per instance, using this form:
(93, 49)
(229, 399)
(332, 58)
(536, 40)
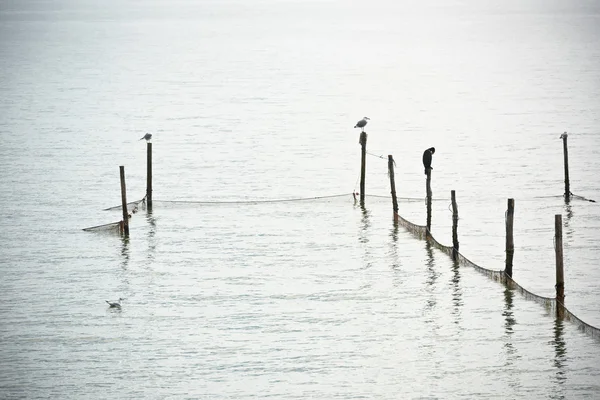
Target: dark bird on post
(115, 304)
(362, 123)
(427, 158)
(147, 136)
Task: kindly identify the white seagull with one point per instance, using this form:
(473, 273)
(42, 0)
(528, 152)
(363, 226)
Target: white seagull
(361, 124)
(115, 304)
(147, 136)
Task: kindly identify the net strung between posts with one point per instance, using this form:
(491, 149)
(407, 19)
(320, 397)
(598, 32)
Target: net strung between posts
(132, 207)
(117, 227)
(551, 304)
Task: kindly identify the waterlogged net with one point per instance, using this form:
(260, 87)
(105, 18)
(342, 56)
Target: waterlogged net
(551, 304)
(113, 227)
(117, 227)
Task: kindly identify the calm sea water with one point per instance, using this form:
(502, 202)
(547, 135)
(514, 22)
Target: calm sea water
(303, 299)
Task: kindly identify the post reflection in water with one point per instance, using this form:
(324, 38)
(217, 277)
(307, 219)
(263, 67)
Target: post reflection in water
(124, 251)
(396, 264)
(560, 357)
(363, 238)
(512, 355)
(432, 276)
(457, 301)
(567, 221)
(151, 234)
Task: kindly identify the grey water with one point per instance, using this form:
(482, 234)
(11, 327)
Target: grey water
(256, 100)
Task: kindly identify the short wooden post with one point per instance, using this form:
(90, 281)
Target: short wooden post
(393, 186)
(454, 225)
(429, 195)
(558, 248)
(510, 244)
(363, 165)
(566, 155)
(149, 175)
(124, 202)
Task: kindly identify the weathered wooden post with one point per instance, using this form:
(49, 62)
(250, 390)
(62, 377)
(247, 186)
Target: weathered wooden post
(566, 155)
(510, 244)
(454, 225)
(429, 195)
(363, 165)
(393, 186)
(124, 202)
(558, 248)
(149, 175)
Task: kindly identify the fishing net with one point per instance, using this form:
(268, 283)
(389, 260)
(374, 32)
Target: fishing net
(550, 304)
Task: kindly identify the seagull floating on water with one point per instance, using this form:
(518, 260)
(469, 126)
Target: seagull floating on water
(361, 124)
(147, 136)
(115, 304)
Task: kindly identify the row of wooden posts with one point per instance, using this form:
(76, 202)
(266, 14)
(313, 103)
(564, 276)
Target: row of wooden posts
(125, 222)
(510, 246)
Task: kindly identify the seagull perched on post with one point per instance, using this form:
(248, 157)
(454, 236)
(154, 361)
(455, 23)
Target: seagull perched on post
(361, 124)
(115, 304)
(147, 136)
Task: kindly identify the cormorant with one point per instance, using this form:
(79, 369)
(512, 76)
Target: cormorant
(427, 156)
(147, 136)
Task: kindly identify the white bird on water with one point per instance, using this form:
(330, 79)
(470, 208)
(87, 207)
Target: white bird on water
(115, 304)
(147, 136)
(362, 123)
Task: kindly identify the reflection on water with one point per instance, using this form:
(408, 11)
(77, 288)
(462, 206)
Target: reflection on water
(567, 221)
(151, 234)
(509, 322)
(457, 301)
(363, 238)
(125, 251)
(432, 276)
(560, 358)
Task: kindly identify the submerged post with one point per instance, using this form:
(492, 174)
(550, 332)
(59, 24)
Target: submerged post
(363, 165)
(510, 244)
(149, 175)
(558, 248)
(393, 186)
(454, 225)
(429, 195)
(566, 155)
(124, 202)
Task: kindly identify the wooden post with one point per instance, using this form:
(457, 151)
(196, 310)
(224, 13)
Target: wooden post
(454, 225)
(558, 248)
(510, 244)
(429, 195)
(393, 186)
(363, 165)
(149, 175)
(124, 202)
(566, 155)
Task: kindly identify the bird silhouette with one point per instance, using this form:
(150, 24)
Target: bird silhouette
(362, 123)
(427, 158)
(147, 136)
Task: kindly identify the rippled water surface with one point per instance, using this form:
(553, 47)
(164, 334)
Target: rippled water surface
(314, 298)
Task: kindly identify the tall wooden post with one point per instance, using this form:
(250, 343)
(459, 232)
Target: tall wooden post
(429, 195)
(510, 244)
(124, 202)
(393, 186)
(454, 225)
(149, 175)
(363, 165)
(558, 248)
(566, 155)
